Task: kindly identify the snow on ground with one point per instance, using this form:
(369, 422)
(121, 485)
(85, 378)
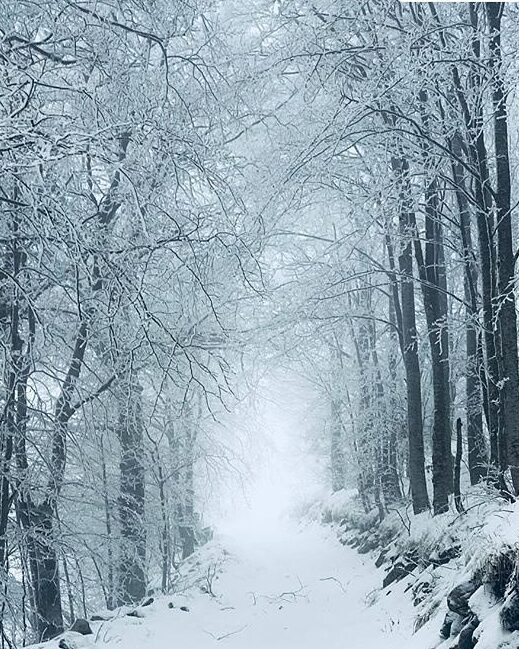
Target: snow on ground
(269, 582)
(488, 528)
(285, 587)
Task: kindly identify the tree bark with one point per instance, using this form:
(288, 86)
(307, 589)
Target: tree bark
(387, 460)
(505, 313)
(434, 288)
(457, 467)
(477, 152)
(132, 552)
(417, 479)
(476, 446)
(336, 446)
(38, 524)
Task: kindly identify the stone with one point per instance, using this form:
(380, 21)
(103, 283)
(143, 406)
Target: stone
(458, 598)
(81, 626)
(99, 618)
(450, 618)
(370, 543)
(398, 572)
(446, 555)
(381, 558)
(509, 613)
(466, 638)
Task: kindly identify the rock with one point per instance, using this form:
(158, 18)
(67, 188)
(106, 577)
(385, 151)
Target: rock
(499, 570)
(457, 624)
(171, 605)
(445, 631)
(63, 644)
(398, 572)
(184, 608)
(386, 536)
(370, 543)
(81, 626)
(148, 601)
(135, 613)
(381, 558)
(442, 557)
(466, 639)
(452, 624)
(509, 613)
(458, 598)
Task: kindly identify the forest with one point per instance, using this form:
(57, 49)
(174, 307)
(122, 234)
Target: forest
(220, 218)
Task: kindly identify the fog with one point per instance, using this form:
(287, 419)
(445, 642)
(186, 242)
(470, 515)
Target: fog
(278, 436)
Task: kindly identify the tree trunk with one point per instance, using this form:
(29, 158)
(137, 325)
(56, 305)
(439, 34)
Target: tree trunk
(505, 313)
(417, 479)
(387, 466)
(111, 601)
(433, 280)
(165, 532)
(476, 446)
(362, 486)
(336, 446)
(187, 524)
(457, 467)
(477, 151)
(38, 525)
(132, 553)
(367, 441)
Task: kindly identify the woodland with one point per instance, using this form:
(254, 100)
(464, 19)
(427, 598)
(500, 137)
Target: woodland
(195, 192)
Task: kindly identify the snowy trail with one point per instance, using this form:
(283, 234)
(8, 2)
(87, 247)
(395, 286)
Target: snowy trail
(287, 588)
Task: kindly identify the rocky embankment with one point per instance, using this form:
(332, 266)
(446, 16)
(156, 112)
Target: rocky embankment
(461, 571)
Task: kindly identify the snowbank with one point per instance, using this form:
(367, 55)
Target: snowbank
(459, 570)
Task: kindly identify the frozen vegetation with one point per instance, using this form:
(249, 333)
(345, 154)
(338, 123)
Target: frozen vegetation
(258, 324)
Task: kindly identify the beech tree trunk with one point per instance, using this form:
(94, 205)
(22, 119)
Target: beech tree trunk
(387, 454)
(417, 479)
(476, 445)
(432, 274)
(132, 552)
(457, 467)
(505, 313)
(42, 553)
(182, 444)
(336, 446)
(187, 525)
(477, 152)
(337, 459)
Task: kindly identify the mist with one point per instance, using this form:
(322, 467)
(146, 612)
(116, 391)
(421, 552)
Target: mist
(258, 324)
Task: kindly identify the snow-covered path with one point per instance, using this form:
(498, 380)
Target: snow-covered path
(299, 588)
(281, 588)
